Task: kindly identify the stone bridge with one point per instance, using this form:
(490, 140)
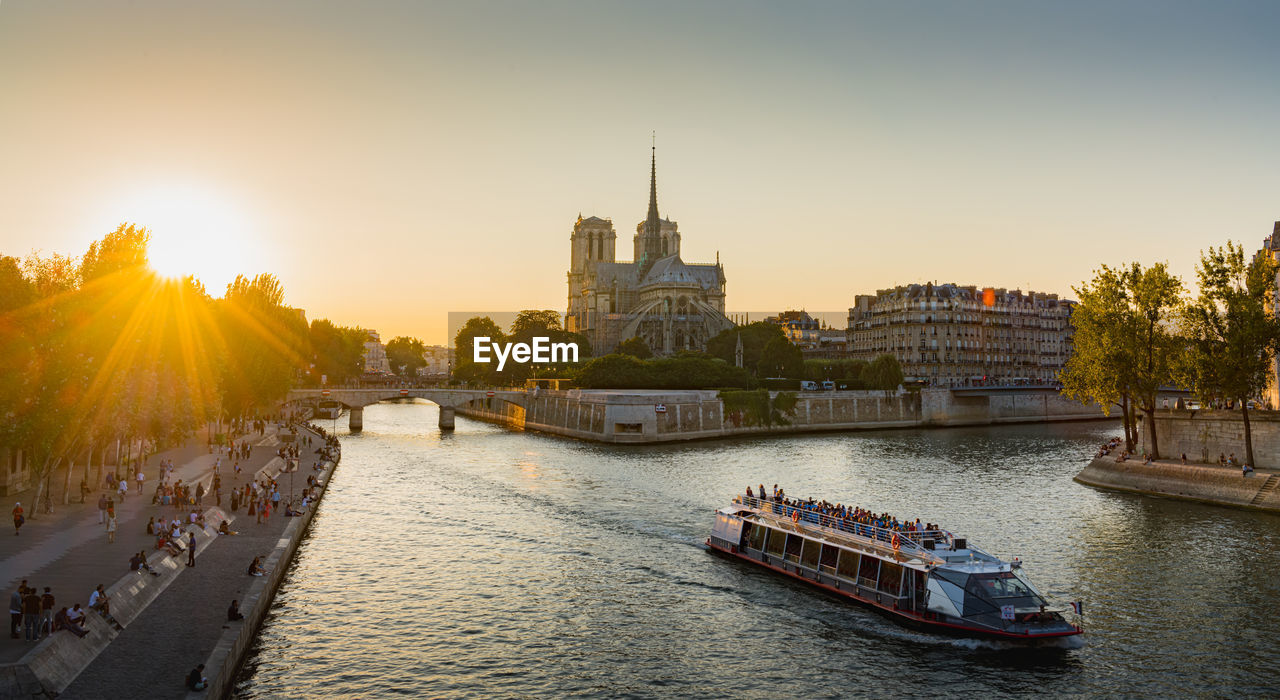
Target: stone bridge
(448, 399)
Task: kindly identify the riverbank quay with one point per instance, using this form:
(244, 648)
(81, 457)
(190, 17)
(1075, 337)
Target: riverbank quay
(68, 551)
(188, 625)
(1207, 483)
(223, 662)
(656, 416)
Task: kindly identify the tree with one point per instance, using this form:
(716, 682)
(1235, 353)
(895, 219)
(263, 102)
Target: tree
(123, 249)
(1231, 336)
(883, 373)
(337, 351)
(1155, 301)
(635, 347)
(529, 323)
(1126, 347)
(406, 355)
(780, 358)
(754, 337)
(466, 368)
(266, 344)
(1098, 370)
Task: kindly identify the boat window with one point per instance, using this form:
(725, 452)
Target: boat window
(810, 555)
(989, 592)
(829, 556)
(794, 543)
(890, 577)
(758, 533)
(868, 571)
(776, 539)
(848, 566)
(997, 586)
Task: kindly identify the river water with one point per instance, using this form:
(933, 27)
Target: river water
(489, 563)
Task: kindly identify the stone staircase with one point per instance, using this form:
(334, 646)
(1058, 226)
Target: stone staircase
(1267, 487)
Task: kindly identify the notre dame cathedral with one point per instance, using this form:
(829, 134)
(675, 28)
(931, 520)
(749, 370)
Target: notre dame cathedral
(671, 304)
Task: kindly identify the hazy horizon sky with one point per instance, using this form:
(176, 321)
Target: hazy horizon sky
(393, 161)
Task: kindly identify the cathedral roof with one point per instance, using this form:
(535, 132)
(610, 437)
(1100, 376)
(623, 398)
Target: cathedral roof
(594, 220)
(673, 270)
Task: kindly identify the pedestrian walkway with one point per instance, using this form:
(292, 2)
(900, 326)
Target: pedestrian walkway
(68, 550)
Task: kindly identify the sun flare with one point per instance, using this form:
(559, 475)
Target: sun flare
(195, 232)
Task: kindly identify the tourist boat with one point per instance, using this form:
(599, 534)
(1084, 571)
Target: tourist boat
(926, 579)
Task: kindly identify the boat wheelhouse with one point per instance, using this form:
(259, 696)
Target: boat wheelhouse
(926, 578)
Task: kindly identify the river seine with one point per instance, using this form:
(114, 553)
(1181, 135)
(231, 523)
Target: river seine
(489, 563)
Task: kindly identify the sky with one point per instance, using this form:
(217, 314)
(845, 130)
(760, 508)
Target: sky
(394, 161)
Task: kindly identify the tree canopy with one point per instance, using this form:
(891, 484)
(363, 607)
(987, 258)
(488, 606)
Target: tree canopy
(1231, 335)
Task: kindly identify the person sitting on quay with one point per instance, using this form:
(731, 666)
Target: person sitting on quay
(224, 529)
(1246, 469)
(233, 612)
(75, 616)
(62, 622)
(99, 601)
(256, 568)
(138, 563)
(196, 679)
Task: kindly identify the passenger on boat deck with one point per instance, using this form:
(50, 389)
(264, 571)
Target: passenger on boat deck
(749, 494)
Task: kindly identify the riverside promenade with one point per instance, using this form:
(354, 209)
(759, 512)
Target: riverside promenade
(171, 622)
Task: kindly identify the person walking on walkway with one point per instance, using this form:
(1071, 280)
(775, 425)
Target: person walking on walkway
(141, 479)
(18, 518)
(191, 549)
(124, 488)
(102, 509)
(111, 528)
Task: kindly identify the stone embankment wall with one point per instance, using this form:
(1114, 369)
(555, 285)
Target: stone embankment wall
(669, 416)
(1207, 483)
(229, 654)
(1203, 435)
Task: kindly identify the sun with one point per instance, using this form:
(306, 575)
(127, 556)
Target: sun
(195, 231)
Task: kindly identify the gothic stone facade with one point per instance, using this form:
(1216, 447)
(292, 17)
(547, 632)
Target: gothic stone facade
(671, 304)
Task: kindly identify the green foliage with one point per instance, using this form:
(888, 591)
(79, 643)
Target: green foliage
(336, 351)
(465, 368)
(682, 372)
(529, 323)
(635, 347)
(1231, 336)
(406, 355)
(884, 373)
(267, 344)
(121, 250)
(757, 408)
(754, 338)
(780, 358)
(16, 291)
(1125, 347)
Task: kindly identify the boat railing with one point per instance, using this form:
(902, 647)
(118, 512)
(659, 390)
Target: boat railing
(911, 541)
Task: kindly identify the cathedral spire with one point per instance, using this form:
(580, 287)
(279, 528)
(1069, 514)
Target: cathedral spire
(651, 221)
